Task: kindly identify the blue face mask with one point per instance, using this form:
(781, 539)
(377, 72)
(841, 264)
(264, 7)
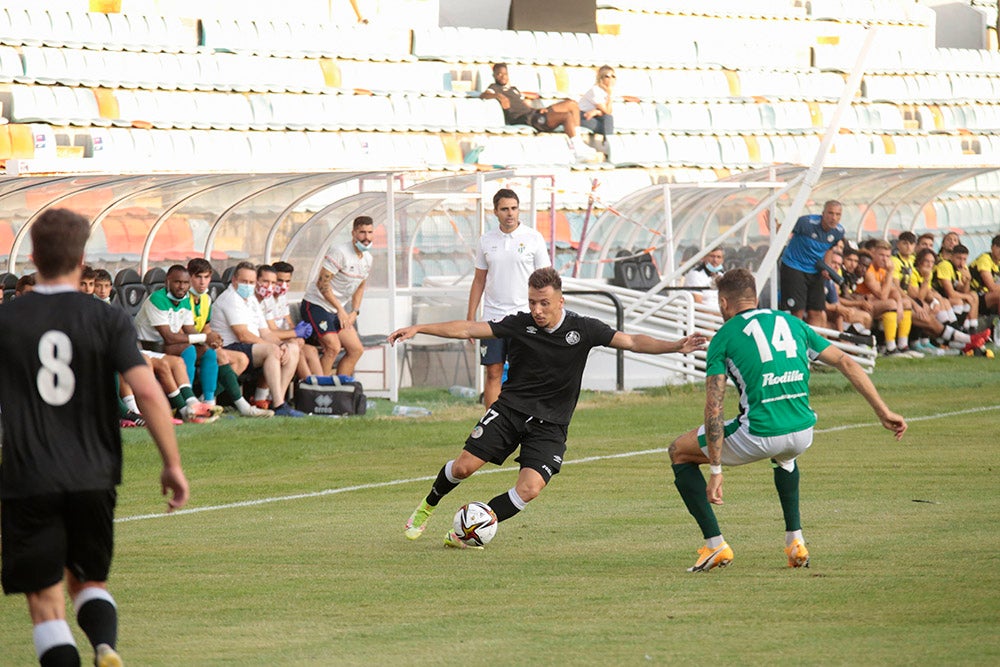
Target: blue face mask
(245, 291)
(713, 269)
(361, 247)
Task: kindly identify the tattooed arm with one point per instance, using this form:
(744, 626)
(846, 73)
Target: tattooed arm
(715, 392)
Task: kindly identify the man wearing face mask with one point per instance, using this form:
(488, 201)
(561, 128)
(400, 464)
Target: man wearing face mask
(705, 275)
(272, 293)
(237, 318)
(340, 283)
(165, 324)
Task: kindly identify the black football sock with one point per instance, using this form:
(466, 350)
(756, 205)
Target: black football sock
(97, 616)
(506, 505)
(692, 487)
(443, 485)
(787, 484)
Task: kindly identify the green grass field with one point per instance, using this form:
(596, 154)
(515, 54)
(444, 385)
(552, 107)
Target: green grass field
(294, 554)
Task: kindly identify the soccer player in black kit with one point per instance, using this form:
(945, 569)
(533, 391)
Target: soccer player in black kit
(548, 350)
(62, 455)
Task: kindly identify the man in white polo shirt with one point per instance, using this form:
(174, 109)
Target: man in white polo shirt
(332, 302)
(505, 258)
(236, 316)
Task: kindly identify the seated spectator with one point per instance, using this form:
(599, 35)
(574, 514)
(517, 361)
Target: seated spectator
(595, 105)
(231, 364)
(953, 280)
(279, 319)
(87, 279)
(882, 292)
(518, 112)
(102, 285)
(25, 284)
(986, 279)
(165, 323)
(237, 317)
(841, 316)
(706, 275)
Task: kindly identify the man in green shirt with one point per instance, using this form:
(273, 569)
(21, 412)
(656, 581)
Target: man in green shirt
(766, 353)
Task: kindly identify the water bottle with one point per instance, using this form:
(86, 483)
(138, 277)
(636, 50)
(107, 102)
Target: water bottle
(370, 405)
(409, 411)
(462, 392)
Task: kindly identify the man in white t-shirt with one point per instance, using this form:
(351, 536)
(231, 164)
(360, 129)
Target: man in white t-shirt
(237, 317)
(340, 283)
(706, 275)
(505, 257)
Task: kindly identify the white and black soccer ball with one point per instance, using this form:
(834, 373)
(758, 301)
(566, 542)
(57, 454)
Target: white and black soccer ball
(475, 524)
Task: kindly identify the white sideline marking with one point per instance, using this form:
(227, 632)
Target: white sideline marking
(430, 478)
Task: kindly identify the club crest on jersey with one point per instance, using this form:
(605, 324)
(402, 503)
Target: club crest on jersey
(573, 337)
(476, 432)
(531, 330)
(829, 238)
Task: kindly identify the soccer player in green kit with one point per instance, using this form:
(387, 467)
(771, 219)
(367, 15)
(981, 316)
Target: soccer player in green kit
(766, 353)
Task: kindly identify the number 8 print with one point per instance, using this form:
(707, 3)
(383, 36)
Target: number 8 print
(56, 381)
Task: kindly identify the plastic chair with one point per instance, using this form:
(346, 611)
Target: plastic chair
(130, 291)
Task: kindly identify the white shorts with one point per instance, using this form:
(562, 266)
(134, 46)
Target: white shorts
(152, 355)
(741, 447)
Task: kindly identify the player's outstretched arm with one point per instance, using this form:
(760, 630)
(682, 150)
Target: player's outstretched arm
(863, 384)
(156, 411)
(453, 329)
(644, 344)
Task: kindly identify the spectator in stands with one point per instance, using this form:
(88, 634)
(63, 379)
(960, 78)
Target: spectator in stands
(279, 318)
(802, 291)
(518, 112)
(505, 258)
(236, 316)
(165, 323)
(886, 299)
(24, 284)
(87, 279)
(595, 105)
(705, 276)
(925, 240)
(102, 285)
(341, 281)
(986, 279)
(953, 280)
(231, 364)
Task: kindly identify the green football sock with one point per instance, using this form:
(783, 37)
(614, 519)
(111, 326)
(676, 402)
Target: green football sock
(229, 382)
(176, 400)
(787, 484)
(186, 393)
(692, 487)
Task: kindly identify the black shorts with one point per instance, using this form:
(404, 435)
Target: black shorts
(41, 535)
(501, 430)
(492, 351)
(801, 291)
(245, 348)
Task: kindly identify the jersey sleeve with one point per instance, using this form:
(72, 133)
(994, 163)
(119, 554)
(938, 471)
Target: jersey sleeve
(599, 332)
(541, 253)
(715, 357)
(506, 327)
(334, 260)
(481, 257)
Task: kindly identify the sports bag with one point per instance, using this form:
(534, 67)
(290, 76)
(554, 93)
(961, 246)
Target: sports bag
(324, 395)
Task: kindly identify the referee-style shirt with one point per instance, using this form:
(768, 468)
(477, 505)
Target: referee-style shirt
(61, 350)
(546, 369)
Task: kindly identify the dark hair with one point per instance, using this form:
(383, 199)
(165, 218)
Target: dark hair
(199, 265)
(24, 281)
(243, 265)
(959, 250)
(737, 284)
(177, 267)
(505, 193)
(101, 275)
(907, 237)
(283, 267)
(497, 66)
(361, 221)
(926, 235)
(995, 241)
(87, 272)
(58, 239)
(850, 252)
(264, 268)
(923, 253)
(545, 277)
